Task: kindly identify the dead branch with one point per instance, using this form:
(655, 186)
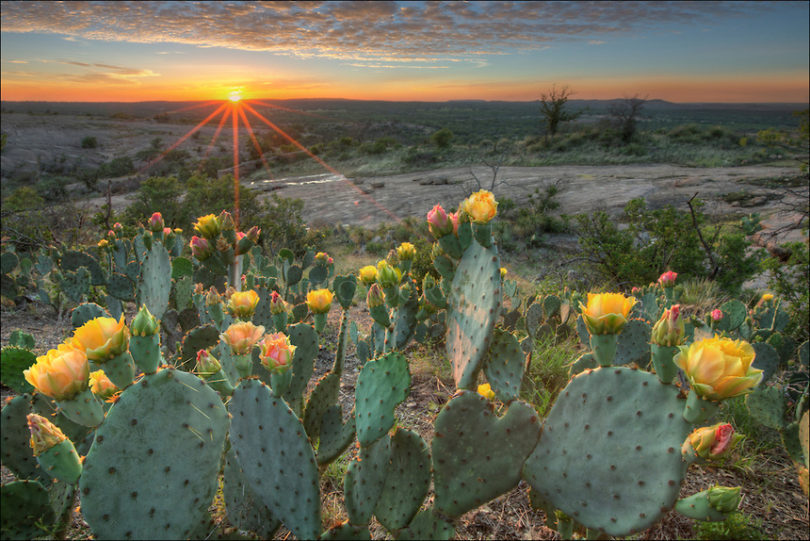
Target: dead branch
(715, 267)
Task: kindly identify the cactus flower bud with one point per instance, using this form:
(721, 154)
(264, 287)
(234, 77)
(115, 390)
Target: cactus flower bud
(200, 248)
(486, 391)
(222, 244)
(669, 329)
(668, 279)
(319, 301)
(406, 251)
(277, 304)
(156, 223)
(242, 336)
(480, 206)
(717, 314)
(503, 273)
(439, 222)
(719, 368)
(61, 373)
(144, 323)
(375, 296)
(118, 227)
(711, 441)
(102, 338)
(101, 386)
(635, 290)
(226, 221)
(454, 217)
(368, 275)
(387, 276)
(198, 288)
(207, 364)
(242, 304)
(276, 352)
(724, 499)
(208, 226)
(606, 313)
(44, 434)
(103, 243)
(212, 297)
(253, 234)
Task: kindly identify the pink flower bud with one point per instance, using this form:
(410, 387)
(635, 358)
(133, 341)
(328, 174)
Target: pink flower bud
(438, 222)
(277, 304)
(722, 439)
(226, 220)
(156, 224)
(668, 279)
(253, 234)
(635, 290)
(717, 314)
(200, 248)
(454, 216)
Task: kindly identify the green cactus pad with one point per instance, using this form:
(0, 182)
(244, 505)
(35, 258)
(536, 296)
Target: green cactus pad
(85, 312)
(785, 346)
(344, 287)
(194, 340)
(381, 386)
(734, 313)
(276, 457)
(305, 340)
(73, 260)
(473, 307)
(767, 405)
(182, 267)
(16, 450)
(21, 339)
(582, 332)
(610, 453)
(583, 362)
(324, 395)
(318, 274)
(766, 359)
(364, 480)
(347, 532)
(648, 308)
(335, 435)
(505, 365)
(13, 361)
(121, 287)
(551, 306)
(407, 480)
(478, 456)
(633, 345)
(428, 525)
(76, 285)
(363, 352)
(244, 509)
(24, 505)
(149, 475)
(404, 324)
(534, 318)
(80, 435)
(155, 282)
(8, 262)
(697, 507)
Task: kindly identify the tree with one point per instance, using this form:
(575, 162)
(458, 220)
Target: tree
(552, 106)
(625, 114)
(442, 138)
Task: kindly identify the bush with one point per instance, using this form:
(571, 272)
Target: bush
(118, 167)
(158, 194)
(442, 138)
(89, 142)
(790, 281)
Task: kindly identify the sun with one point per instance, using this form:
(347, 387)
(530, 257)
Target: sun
(235, 96)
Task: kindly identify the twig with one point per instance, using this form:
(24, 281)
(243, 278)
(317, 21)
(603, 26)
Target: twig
(708, 250)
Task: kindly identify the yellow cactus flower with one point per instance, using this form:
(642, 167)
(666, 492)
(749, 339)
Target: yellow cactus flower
(102, 338)
(242, 304)
(276, 352)
(767, 297)
(319, 301)
(101, 385)
(406, 251)
(719, 368)
(503, 273)
(486, 391)
(62, 373)
(481, 206)
(44, 434)
(606, 313)
(208, 226)
(368, 275)
(242, 336)
(103, 243)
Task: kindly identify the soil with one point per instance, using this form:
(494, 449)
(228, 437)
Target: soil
(771, 490)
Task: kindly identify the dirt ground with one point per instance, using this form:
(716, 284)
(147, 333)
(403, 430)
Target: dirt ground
(771, 489)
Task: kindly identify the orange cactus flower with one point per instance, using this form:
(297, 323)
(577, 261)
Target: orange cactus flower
(242, 304)
(44, 434)
(481, 206)
(486, 391)
(101, 385)
(208, 226)
(276, 352)
(62, 373)
(102, 338)
(606, 313)
(242, 336)
(719, 368)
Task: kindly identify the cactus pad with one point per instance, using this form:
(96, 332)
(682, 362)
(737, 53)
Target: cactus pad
(244, 510)
(335, 435)
(85, 312)
(155, 282)
(428, 525)
(478, 456)
(633, 345)
(766, 359)
(473, 307)
(137, 486)
(324, 395)
(407, 480)
(276, 457)
(364, 481)
(607, 458)
(381, 386)
(346, 531)
(14, 361)
(16, 449)
(24, 504)
(734, 313)
(505, 365)
(767, 406)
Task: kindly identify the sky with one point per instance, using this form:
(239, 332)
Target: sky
(678, 51)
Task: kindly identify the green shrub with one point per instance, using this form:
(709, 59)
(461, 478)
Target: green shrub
(737, 525)
(790, 280)
(89, 142)
(442, 138)
(118, 167)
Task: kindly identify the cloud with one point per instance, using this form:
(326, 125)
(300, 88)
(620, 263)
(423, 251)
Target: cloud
(365, 32)
(596, 42)
(103, 73)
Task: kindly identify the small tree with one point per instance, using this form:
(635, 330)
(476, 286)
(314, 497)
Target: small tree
(552, 106)
(442, 138)
(625, 115)
(89, 142)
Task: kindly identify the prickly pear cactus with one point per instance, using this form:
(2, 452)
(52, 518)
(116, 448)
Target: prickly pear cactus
(381, 386)
(156, 280)
(633, 345)
(24, 506)
(428, 525)
(16, 449)
(478, 456)
(365, 478)
(473, 308)
(169, 480)
(406, 482)
(243, 508)
(610, 453)
(504, 365)
(276, 457)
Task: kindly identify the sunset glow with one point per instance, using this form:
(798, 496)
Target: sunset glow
(140, 51)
